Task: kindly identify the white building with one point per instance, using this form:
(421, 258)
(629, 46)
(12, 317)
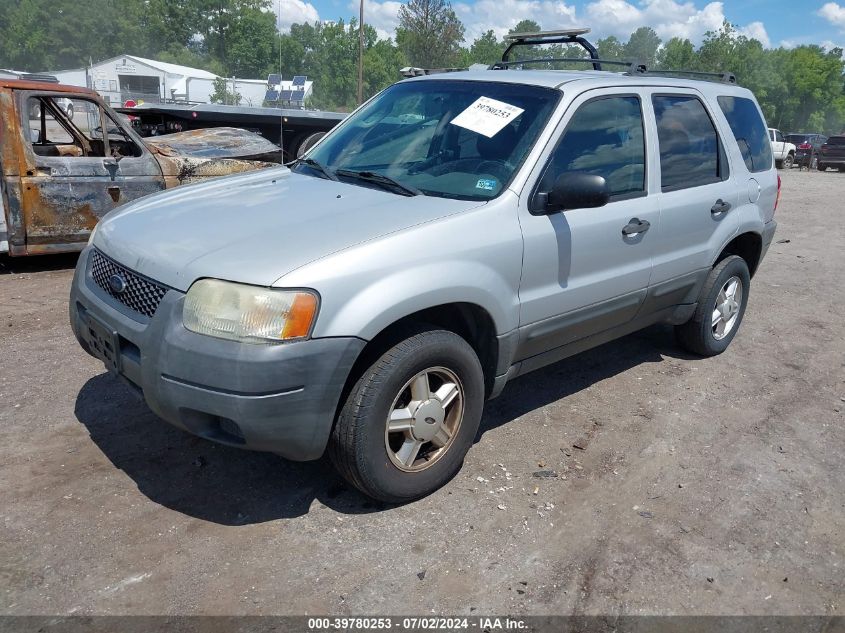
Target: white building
(129, 77)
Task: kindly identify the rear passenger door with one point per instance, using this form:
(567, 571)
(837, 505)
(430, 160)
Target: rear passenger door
(696, 195)
(581, 273)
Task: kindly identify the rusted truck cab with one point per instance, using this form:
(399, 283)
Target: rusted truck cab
(61, 173)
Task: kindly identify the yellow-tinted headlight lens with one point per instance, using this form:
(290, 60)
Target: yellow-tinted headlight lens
(248, 313)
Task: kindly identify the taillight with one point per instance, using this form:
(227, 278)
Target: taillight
(777, 200)
(805, 146)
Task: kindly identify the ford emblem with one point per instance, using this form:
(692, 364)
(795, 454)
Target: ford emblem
(117, 284)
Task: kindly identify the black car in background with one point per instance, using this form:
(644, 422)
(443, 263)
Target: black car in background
(807, 148)
(832, 153)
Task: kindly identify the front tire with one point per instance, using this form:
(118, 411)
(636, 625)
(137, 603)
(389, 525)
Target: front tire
(721, 306)
(411, 417)
(788, 161)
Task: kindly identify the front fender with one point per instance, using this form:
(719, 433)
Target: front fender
(469, 257)
(403, 292)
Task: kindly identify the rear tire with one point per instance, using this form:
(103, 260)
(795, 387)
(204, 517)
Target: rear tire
(395, 440)
(787, 162)
(721, 306)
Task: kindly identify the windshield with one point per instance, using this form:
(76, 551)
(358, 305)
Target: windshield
(449, 138)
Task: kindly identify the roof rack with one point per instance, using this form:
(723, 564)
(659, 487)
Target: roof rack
(413, 71)
(633, 67)
(567, 36)
(724, 77)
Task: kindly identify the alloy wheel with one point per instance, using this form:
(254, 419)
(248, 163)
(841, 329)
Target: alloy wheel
(727, 308)
(424, 419)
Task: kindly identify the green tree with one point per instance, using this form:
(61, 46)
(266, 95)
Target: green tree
(611, 48)
(485, 49)
(222, 93)
(429, 33)
(252, 43)
(642, 46)
(677, 54)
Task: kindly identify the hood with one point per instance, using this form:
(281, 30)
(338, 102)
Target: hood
(215, 143)
(257, 227)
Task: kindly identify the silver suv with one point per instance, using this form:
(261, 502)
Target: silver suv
(456, 231)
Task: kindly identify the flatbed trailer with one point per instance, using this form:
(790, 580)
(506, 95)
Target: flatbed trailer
(295, 130)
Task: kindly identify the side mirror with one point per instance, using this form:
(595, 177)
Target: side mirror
(573, 190)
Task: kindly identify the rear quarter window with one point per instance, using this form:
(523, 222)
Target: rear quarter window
(836, 140)
(749, 130)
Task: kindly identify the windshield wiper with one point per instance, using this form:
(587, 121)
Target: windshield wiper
(380, 179)
(318, 166)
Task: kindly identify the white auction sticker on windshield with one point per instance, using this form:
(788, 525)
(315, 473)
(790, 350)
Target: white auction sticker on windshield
(487, 116)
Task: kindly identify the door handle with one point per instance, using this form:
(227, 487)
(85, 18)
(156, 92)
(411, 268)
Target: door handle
(720, 207)
(635, 227)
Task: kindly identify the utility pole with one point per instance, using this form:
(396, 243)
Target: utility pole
(361, 56)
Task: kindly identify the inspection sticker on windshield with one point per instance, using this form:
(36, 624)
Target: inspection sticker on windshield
(487, 185)
(487, 116)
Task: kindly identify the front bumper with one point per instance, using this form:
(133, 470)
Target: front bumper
(280, 398)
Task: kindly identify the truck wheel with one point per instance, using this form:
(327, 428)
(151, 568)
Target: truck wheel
(411, 417)
(721, 306)
(309, 142)
(788, 161)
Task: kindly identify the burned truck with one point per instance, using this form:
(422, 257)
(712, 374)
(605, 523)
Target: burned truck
(60, 173)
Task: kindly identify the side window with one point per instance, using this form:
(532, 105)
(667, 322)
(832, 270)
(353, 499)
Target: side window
(749, 131)
(779, 137)
(604, 138)
(690, 152)
(71, 127)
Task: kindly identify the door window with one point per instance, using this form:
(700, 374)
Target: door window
(604, 138)
(72, 127)
(690, 152)
(749, 131)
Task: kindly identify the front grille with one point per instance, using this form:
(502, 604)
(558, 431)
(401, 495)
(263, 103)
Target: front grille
(139, 294)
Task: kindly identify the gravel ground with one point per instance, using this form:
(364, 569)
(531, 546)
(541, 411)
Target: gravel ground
(683, 486)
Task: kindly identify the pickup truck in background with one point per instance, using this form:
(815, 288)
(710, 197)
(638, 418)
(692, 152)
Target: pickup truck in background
(60, 173)
(784, 152)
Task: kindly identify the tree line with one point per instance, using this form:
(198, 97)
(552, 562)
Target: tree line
(799, 89)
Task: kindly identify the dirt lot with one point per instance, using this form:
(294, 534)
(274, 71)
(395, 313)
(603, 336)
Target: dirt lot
(702, 486)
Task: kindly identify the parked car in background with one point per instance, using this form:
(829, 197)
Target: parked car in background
(455, 232)
(807, 146)
(784, 151)
(61, 173)
(832, 153)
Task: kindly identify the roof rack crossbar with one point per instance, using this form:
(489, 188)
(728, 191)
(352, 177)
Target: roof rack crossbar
(571, 36)
(413, 71)
(634, 67)
(724, 77)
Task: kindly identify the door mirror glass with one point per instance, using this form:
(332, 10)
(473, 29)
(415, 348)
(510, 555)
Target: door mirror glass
(574, 190)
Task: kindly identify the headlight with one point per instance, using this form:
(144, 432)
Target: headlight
(248, 313)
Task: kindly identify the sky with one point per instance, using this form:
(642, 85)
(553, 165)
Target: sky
(787, 23)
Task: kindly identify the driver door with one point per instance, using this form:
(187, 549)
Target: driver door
(74, 173)
(586, 271)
